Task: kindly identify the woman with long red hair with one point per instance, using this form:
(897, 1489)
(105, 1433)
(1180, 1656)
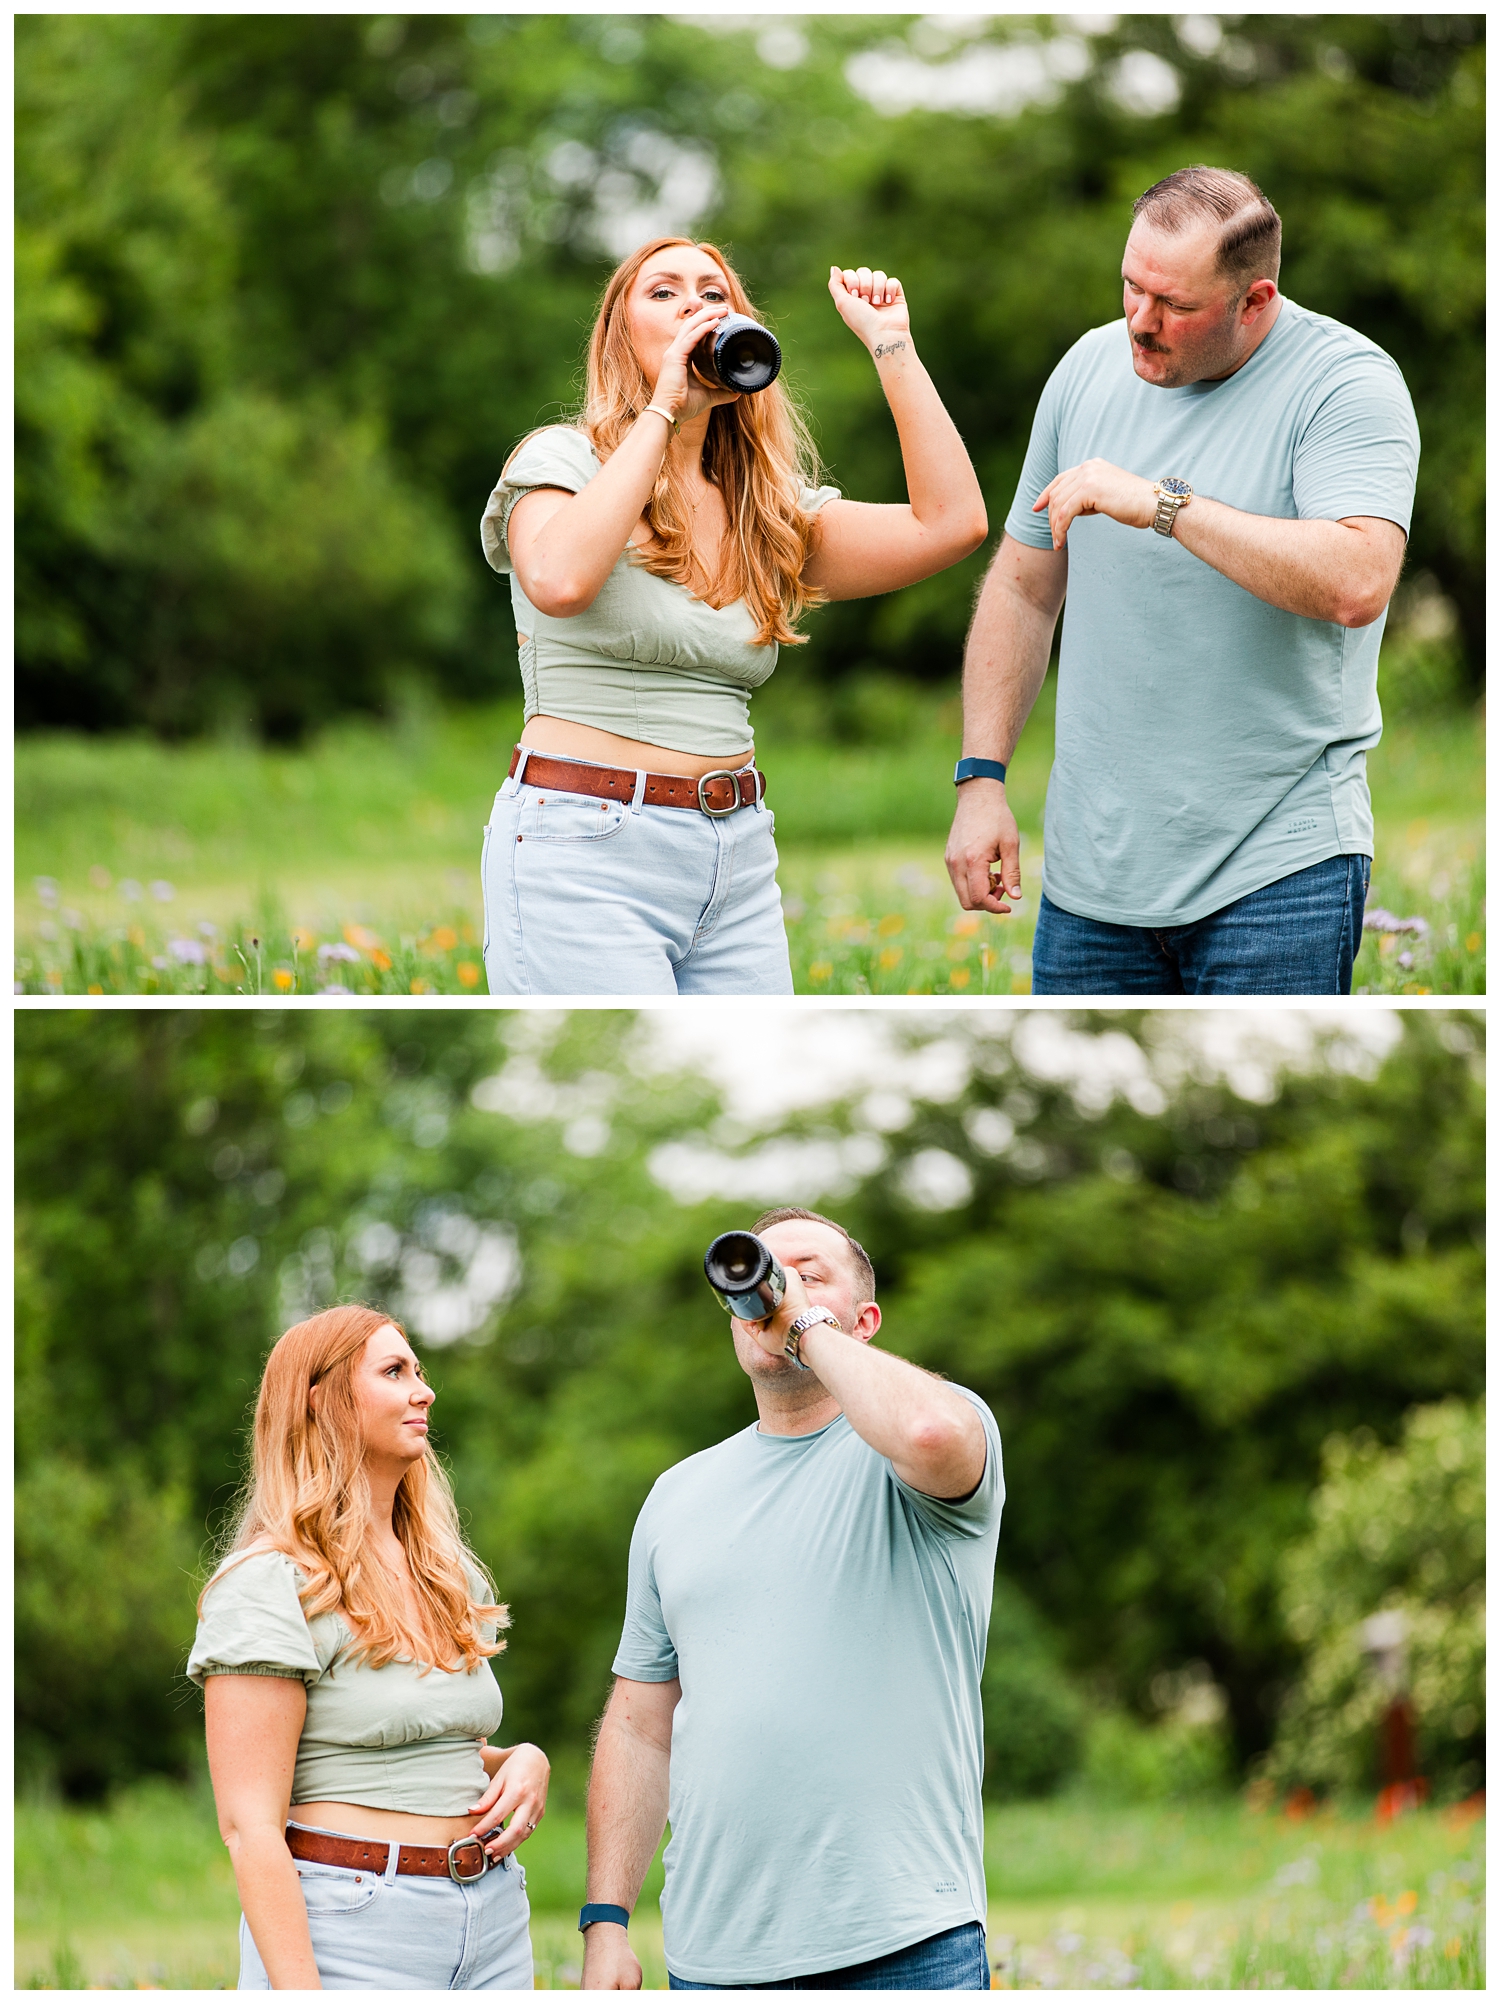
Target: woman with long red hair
(343, 1647)
(660, 551)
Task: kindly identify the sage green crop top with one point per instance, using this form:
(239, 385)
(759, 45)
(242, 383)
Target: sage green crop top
(646, 660)
(392, 1738)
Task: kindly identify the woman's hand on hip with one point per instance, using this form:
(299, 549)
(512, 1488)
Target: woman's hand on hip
(678, 386)
(518, 1790)
(873, 305)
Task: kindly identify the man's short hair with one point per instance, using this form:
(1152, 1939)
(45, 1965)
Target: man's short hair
(859, 1259)
(1249, 228)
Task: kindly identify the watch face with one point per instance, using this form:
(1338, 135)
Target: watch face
(1175, 487)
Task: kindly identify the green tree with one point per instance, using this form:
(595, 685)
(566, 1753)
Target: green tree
(1167, 1301)
(1034, 1718)
(1395, 1531)
(1168, 1308)
(108, 1555)
(196, 544)
(394, 229)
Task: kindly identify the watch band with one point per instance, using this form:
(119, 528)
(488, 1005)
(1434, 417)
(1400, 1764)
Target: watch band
(977, 768)
(792, 1348)
(1171, 497)
(619, 1915)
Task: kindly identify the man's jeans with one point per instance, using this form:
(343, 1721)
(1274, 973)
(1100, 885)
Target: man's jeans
(1297, 936)
(952, 1961)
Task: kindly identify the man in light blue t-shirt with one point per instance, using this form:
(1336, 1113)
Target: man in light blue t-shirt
(1221, 486)
(797, 1684)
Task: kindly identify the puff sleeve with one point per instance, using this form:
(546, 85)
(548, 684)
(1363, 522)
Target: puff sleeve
(252, 1623)
(480, 1590)
(560, 456)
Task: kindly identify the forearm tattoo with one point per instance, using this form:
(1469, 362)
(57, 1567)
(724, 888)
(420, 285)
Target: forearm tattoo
(884, 348)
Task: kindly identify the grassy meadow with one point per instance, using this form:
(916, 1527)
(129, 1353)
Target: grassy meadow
(1083, 1895)
(351, 865)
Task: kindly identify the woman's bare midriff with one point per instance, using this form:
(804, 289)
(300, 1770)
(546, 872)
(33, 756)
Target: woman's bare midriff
(357, 1819)
(555, 735)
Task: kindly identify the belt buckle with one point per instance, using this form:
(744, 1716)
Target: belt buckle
(718, 813)
(467, 1844)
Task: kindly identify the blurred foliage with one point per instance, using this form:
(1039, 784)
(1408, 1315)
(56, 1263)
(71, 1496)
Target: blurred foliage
(198, 542)
(1399, 1529)
(110, 1556)
(283, 550)
(1170, 1299)
(1170, 1761)
(1178, 1305)
(1033, 1717)
(291, 286)
(1043, 1735)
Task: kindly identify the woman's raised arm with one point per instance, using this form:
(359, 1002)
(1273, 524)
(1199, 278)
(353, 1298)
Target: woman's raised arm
(563, 546)
(863, 548)
(254, 1724)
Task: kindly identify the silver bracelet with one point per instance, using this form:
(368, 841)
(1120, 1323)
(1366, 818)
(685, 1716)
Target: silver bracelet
(661, 413)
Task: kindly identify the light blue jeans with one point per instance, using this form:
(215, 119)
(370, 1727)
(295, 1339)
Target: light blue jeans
(600, 897)
(383, 1932)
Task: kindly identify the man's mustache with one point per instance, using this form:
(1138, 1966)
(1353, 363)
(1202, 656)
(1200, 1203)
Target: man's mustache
(1150, 344)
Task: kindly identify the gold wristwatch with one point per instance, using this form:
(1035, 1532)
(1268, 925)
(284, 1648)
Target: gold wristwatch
(1170, 496)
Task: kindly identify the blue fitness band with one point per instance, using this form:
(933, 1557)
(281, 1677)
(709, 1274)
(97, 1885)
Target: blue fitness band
(619, 1915)
(977, 768)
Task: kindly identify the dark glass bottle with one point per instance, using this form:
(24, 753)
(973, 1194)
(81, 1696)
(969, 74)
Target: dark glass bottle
(746, 1275)
(739, 354)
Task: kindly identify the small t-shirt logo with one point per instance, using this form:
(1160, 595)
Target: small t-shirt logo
(1303, 827)
(946, 1886)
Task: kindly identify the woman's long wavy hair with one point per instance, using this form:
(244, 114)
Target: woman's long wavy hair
(309, 1496)
(759, 454)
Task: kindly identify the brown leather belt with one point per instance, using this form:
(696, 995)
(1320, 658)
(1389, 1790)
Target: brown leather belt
(424, 1861)
(716, 794)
